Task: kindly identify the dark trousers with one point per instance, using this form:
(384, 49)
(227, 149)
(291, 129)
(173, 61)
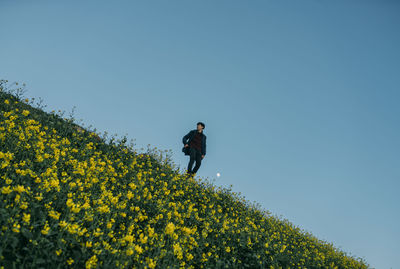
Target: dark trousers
(195, 155)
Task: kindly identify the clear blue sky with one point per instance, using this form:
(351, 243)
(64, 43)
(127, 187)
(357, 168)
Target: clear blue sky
(300, 98)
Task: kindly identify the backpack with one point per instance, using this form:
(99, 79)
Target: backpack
(186, 150)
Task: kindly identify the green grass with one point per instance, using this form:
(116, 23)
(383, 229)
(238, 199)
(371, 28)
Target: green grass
(71, 198)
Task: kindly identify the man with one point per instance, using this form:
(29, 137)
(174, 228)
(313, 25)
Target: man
(196, 141)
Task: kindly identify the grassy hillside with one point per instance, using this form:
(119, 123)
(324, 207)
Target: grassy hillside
(68, 199)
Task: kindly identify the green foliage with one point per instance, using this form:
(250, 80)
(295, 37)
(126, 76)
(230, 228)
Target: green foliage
(72, 198)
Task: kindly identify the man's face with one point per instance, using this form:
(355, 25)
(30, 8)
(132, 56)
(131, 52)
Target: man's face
(199, 127)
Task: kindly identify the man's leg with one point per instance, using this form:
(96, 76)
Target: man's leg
(191, 161)
(198, 162)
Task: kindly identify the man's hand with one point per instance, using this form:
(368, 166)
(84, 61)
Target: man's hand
(202, 156)
(186, 145)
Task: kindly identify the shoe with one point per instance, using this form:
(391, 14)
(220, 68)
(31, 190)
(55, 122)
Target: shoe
(188, 175)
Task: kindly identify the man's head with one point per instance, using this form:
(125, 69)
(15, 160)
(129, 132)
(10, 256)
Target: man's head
(200, 126)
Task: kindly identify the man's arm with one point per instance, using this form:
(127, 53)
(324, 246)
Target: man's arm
(186, 138)
(204, 147)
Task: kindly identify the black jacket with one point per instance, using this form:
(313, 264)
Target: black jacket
(187, 138)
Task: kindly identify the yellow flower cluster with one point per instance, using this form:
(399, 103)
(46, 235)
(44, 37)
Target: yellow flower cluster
(127, 210)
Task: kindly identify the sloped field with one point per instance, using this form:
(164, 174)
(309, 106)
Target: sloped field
(70, 200)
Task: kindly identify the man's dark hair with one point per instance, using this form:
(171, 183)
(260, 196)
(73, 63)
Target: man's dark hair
(202, 124)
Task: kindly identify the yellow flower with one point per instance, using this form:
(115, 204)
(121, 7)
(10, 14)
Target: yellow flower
(58, 252)
(26, 218)
(152, 264)
(69, 202)
(228, 249)
(129, 252)
(170, 228)
(143, 239)
(138, 249)
(54, 214)
(186, 230)
(129, 238)
(92, 262)
(6, 190)
(16, 227)
(6, 101)
(70, 261)
(189, 256)
(151, 232)
(132, 185)
(86, 205)
(45, 229)
(25, 112)
(54, 183)
(62, 224)
(178, 251)
(103, 209)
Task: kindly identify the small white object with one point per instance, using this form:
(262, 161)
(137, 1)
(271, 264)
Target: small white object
(218, 174)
